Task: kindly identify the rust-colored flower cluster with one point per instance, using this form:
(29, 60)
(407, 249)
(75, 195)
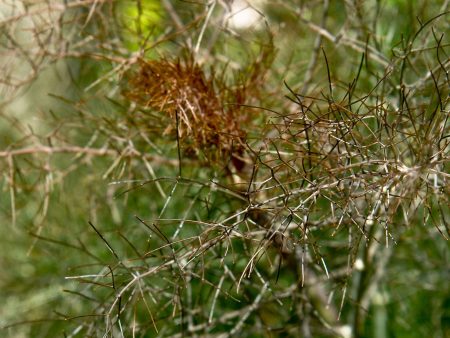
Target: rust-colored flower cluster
(204, 112)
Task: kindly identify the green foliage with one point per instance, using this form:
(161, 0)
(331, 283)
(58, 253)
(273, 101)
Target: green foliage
(141, 21)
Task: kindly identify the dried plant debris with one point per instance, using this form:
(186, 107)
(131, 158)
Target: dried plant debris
(203, 108)
(192, 106)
